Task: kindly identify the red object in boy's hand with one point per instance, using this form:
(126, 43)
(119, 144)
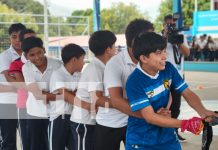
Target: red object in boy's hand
(194, 125)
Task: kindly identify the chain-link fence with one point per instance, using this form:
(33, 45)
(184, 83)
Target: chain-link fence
(59, 28)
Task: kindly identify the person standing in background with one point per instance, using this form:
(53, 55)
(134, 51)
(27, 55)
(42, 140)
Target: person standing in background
(175, 55)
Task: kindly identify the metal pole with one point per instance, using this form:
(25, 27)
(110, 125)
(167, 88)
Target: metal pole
(196, 5)
(177, 8)
(97, 16)
(211, 4)
(46, 26)
(59, 35)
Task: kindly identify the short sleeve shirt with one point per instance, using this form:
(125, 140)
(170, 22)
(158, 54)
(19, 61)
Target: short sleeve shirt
(31, 74)
(6, 57)
(61, 78)
(91, 80)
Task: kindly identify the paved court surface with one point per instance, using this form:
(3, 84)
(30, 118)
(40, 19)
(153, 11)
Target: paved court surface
(205, 85)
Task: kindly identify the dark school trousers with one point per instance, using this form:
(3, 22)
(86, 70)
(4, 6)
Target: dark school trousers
(83, 135)
(60, 134)
(8, 126)
(23, 128)
(38, 133)
(107, 138)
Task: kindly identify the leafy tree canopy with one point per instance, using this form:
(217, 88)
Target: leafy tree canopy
(166, 7)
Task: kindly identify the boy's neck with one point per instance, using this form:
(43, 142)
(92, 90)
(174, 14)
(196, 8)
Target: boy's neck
(135, 61)
(69, 68)
(18, 51)
(103, 58)
(148, 70)
(43, 67)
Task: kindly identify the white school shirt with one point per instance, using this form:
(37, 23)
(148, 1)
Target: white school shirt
(171, 59)
(6, 58)
(91, 80)
(116, 73)
(61, 78)
(31, 74)
(201, 44)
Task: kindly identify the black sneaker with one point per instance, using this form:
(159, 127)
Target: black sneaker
(181, 139)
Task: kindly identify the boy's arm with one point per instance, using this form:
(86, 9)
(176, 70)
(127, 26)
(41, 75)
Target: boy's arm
(194, 125)
(7, 88)
(7, 77)
(33, 87)
(153, 118)
(116, 95)
(184, 49)
(100, 100)
(70, 97)
(17, 80)
(194, 101)
(39, 94)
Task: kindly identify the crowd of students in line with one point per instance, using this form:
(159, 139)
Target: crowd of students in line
(117, 97)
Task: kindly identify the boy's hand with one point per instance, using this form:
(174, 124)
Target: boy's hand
(212, 120)
(208, 115)
(164, 112)
(194, 125)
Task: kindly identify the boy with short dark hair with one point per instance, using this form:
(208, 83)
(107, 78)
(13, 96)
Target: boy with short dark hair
(91, 89)
(37, 73)
(26, 33)
(64, 81)
(8, 96)
(16, 75)
(148, 89)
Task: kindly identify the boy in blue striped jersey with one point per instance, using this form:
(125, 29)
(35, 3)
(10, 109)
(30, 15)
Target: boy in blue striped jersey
(148, 89)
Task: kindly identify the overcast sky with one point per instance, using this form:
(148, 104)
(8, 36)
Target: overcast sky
(65, 7)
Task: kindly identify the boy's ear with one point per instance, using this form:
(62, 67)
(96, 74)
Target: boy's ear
(108, 49)
(73, 59)
(143, 59)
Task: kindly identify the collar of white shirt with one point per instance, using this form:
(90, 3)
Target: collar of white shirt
(65, 70)
(95, 59)
(49, 66)
(23, 58)
(13, 51)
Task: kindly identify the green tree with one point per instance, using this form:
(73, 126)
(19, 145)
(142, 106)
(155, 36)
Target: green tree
(58, 27)
(117, 17)
(8, 20)
(188, 9)
(27, 6)
(166, 7)
(79, 23)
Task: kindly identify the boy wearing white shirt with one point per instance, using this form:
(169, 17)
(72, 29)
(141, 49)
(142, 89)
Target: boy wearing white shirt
(37, 73)
(91, 90)
(8, 96)
(116, 73)
(64, 81)
(16, 75)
